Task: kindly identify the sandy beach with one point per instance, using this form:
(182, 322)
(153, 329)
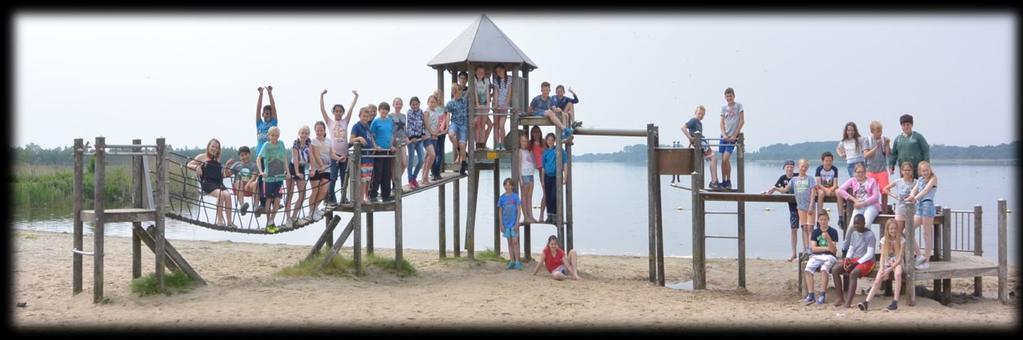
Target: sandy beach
(244, 291)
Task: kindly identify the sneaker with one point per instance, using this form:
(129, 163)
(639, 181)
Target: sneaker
(726, 184)
(318, 215)
(894, 305)
(435, 177)
(567, 132)
(511, 265)
(232, 225)
(577, 124)
(809, 299)
(863, 306)
(518, 265)
(245, 208)
(258, 211)
(330, 205)
(924, 265)
(821, 298)
(920, 259)
(714, 185)
(271, 228)
(465, 166)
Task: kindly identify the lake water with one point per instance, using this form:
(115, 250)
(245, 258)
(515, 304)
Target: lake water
(611, 214)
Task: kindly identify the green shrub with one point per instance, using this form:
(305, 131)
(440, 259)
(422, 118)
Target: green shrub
(174, 282)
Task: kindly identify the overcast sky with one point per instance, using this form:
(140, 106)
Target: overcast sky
(190, 77)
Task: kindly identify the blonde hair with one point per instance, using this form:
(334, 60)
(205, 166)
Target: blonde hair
(303, 128)
(928, 164)
(804, 161)
(700, 108)
(891, 245)
(273, 131)
(875, 126)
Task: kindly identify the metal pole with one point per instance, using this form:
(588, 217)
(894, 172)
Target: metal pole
(77, 192)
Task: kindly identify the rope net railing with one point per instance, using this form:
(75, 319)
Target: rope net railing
(188, 203)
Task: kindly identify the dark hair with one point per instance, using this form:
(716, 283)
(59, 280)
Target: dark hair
(906, 118)
(337, 106)
(859, 218)
(507, 181)
(318, 123)
(550, 135)
(730, 91)
(545, 84)
(503, 80)
(463, 73)
(856, 134)
(267, 108)
(559, 87)
(244, 149)
(823, 213)
(552, 238)
(414, 99)
(384, 106)
(827, 154)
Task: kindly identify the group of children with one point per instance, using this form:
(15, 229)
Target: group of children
(732, 121)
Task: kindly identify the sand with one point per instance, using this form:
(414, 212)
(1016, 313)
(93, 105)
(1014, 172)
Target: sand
(244, 292)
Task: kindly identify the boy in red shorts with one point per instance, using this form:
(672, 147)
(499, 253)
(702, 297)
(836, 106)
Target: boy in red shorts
(859, 261)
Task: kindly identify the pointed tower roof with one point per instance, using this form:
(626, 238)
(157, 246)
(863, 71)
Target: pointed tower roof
(481, 42)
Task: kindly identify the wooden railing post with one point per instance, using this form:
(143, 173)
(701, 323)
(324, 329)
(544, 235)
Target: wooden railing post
(161, 201)
(699, 241)
(136, 242)
(99, 182)
(456, 217)
(398, 189)
(978, 247)
(77, 192)
(651, 156)
(741, 208)
(355, 186)
(1003, 268)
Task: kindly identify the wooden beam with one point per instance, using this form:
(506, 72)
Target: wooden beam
(456, 219)
(978, 246)
(137, 215)
(441, 237)
(160, 254)
(137, 174)
(339, 243)
(699, 222)
(326, 236)
(175, 261)
(1003, 268)
(77, 192)
(99, 182)
(651, 142)
(740, 160)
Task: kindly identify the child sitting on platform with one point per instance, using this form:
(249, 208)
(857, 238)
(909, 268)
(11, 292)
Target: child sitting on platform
(508, 208)
(689, 129)
(244, 177)
(782, 185)
(823, 258)
(858, 262)
(891, 262)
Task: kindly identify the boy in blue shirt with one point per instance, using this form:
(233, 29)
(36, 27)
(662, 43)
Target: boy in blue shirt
(360, 134)
(508, 209)
(266, 118)
(381, 131)
(550, 171)
(544, 106)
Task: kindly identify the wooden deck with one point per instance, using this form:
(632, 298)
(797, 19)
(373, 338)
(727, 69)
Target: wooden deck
(961, 265)
(535, 120)
(726, 196)
(120, 215)
(446, 177)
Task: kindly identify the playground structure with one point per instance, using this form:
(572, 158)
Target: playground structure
(482, 44)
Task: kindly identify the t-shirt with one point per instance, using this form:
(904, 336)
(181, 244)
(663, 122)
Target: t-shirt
(552, 261)
(550, 157)
(828, 177)
(303, 151)
(243, 171)
(921, 184)
(539, 105)
(435, 120)
(416, 127)
(323, 151)
(528, 163)
(694, 125)
(859, 242)
(382, 130)
(818, 238)
(276, 160)
(537, 155)
(337, 131)
(562, 102)
(457, 108)
(482, 88)
(902, 190)
(783, 182)
(509, 204)
(262, 127)
(400, 122)
(362, 130)
(877, 162)
(802, 187)
(731, 115)
(501, 88)
(852, 154)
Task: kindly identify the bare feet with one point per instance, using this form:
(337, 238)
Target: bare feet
(791, 258)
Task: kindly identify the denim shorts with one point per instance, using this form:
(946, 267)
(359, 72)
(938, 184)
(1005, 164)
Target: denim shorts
(429, 142)
(460, 131)
(527, 179)
(925, 208)
(510, 233)
(726, 146)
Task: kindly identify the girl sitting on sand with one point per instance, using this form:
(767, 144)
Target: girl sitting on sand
(211, 178)
(554, 260)
(891, 263)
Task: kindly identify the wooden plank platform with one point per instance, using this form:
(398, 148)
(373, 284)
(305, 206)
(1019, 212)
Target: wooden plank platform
(535, 120)
(961, 265)
(724, 196)
(446, 177)
(120, 215)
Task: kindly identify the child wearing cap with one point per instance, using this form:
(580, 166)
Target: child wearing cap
(782, 185)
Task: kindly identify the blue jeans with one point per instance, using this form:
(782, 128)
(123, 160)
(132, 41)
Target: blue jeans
(338, 170)
(438, 151)
(852, 168)
(416, 150)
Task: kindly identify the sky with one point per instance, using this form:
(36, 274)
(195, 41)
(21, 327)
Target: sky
(190, 77)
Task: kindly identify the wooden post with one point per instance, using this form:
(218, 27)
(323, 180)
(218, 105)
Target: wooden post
(516, 162)
(441, 237)
(77, 192)
(440, 87)
(651, 161)
(161, 201)
(99, 181)
(946, 253)
(457, 219)
(136, 243)
(909, 269)
(369, 233)
(329, 242)
(741, 208)
(355, 186)
(1003, 268)
(978, 247)
(699, 268)
(656, 198)
(569, 236)
(474, 179)
(398, 189)
(559, 188)
(497, 218)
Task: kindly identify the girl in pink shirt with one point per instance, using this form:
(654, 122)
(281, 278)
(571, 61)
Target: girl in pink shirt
(865, 197)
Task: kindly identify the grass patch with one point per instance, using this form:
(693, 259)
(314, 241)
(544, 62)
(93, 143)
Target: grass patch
(25, 236)
(339, 266)
(174, 282)
(487, 255)
(403, 269)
